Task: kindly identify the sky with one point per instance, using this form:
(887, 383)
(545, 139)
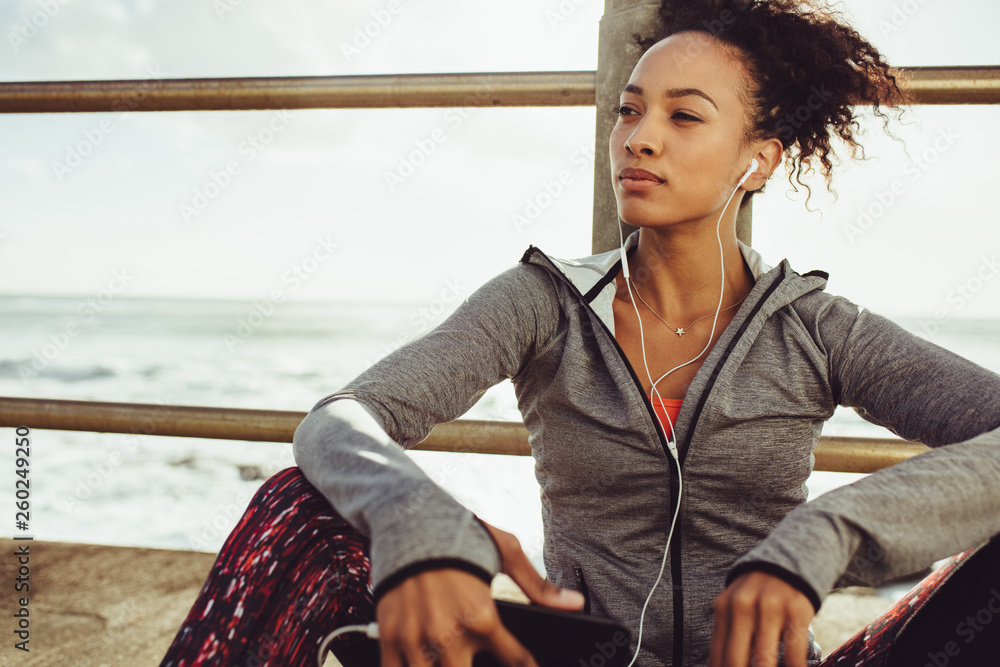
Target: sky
(318, 204)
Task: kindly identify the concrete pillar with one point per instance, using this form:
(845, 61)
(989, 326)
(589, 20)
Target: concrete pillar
(617, 54)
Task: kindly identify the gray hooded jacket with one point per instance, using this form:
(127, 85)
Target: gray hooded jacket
(609, 486)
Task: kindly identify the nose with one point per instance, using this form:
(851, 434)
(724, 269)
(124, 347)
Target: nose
(642, 140)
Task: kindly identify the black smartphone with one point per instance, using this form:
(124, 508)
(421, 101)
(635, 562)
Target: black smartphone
(556, 638)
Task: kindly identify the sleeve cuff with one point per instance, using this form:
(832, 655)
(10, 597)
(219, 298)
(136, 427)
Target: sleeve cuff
(448, 536)
(787, 576)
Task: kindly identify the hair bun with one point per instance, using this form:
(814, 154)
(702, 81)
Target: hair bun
(807, 66)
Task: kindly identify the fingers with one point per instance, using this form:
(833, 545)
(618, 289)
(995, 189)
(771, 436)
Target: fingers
(442, 618)
(539, 589)
(423, 618)
(733, 632)
(428, 644)
(509, 651)
(796, 634)
(766, 638)
(456, 644)
(720, 638)
(517, 565)
(756, 614)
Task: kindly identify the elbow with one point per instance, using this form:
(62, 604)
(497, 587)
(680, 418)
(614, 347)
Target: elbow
(307, 438)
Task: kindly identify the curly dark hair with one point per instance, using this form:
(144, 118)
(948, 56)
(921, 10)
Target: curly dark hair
(807, 69)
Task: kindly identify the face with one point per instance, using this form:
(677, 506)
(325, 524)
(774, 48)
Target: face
(678, 147)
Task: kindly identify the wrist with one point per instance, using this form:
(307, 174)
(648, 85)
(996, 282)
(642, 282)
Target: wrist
(399, 576)
(787, 576)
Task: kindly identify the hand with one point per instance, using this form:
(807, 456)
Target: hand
(752, 615)
(516, 565)
(444, 617)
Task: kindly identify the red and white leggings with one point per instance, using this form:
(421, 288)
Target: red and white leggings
(293, 570)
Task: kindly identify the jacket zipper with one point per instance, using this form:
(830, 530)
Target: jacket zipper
(676, 541)
(583, 589)
(621, 352)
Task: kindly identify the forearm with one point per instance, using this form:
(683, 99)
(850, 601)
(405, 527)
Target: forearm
(892, 522)
(371, 481)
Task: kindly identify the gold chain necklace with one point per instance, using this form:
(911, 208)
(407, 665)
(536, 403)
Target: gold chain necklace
(682, 330)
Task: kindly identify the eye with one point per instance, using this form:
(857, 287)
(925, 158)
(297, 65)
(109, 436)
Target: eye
(680, 115)
(624, 110)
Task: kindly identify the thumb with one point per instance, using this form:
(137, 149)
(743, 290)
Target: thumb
(544, 592)
(538, 589)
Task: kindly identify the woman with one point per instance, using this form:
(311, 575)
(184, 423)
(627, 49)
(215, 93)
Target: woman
(672, 457)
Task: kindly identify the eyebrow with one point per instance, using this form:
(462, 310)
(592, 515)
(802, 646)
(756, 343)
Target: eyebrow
(673, 92)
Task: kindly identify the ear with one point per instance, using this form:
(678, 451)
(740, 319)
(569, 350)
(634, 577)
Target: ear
(768, 153)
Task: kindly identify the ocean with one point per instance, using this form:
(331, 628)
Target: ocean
(186, 493)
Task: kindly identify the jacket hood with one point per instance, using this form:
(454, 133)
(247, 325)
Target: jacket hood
(594, 277)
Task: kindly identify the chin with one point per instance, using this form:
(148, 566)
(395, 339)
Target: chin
(640, 213)
(644, 213)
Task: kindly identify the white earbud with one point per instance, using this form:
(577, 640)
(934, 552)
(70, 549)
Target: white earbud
(753, 167)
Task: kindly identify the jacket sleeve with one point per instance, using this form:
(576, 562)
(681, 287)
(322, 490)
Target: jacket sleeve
(351, 445)
(901, 519)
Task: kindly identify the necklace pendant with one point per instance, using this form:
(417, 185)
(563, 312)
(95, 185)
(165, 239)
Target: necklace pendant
(679, 332)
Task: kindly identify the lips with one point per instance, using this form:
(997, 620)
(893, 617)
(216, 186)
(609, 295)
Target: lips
(638, 179)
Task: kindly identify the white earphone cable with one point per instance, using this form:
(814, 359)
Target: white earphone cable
(370, 629)
(671, 442)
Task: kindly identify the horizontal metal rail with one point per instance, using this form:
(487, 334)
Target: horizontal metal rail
(837, 454)
(931, 85)
(513, 89)
(955, 85)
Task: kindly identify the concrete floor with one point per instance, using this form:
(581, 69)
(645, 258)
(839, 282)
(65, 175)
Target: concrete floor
(95, 606)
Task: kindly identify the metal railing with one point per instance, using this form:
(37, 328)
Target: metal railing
(838, 454)
(930, 85)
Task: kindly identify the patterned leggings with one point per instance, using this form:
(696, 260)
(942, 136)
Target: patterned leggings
(291, 572)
